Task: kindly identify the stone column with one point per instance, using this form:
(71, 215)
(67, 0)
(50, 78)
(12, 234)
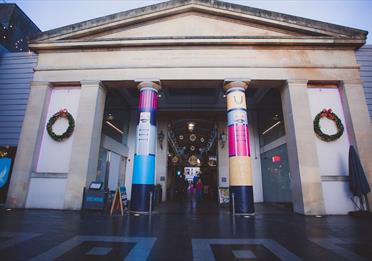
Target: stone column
(240, 168)
(357, 114)
(27, 151)
(87, 138)
(306, 185)
(144, 158)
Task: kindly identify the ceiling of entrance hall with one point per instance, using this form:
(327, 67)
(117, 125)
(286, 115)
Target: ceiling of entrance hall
(197, 95)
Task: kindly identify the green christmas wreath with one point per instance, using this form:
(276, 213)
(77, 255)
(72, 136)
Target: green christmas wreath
(333, 117)
(71, 125)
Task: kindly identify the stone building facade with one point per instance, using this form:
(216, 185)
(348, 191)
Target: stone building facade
(208, 47)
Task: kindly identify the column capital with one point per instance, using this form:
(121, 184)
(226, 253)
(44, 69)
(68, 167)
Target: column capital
(34, 84)
(91, 82)
(297, 81)
(148, 84)
(235, 83)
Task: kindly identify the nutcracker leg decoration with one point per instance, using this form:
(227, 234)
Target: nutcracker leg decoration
(144, 158)
(240, 169)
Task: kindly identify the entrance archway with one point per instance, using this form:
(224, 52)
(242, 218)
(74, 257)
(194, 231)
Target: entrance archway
(192, 158)
(202, 104)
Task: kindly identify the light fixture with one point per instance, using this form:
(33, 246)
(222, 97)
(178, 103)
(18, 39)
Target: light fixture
(271, 127)
(191, 126)
(114, 127)
(110, 117)
(161, 138)
(222, 138)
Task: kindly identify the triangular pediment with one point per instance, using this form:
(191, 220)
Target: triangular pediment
(191, 24)
(199, 19)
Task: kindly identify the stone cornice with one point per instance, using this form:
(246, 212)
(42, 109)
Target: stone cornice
(183, 41)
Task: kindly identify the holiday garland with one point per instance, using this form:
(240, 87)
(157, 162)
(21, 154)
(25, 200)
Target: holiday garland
(71, 125)
(333, 117)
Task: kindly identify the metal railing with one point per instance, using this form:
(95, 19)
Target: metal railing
(150, 210)
(233, 203)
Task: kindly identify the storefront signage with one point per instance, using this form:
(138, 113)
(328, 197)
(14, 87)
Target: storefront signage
(145, 143)
(223, 195)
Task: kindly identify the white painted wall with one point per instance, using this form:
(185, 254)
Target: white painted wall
(162, 157)
(46, 193)
(114, 171)
(54, 157)
(255, 157)
(223, 157)
(337, 197)
(332, 156)
(131, 150)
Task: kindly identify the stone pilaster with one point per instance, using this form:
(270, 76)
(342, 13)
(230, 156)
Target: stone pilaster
(306, 184)
(28, 146)
(356, 111)
(87, 137)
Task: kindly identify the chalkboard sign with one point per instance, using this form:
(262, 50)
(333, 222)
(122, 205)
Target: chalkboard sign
(117, 203)
(94, 199)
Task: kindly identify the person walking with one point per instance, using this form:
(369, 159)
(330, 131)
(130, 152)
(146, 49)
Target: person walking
(199, 189)
(181, 186)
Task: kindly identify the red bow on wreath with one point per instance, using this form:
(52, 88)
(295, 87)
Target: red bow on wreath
(63, 113)
(327, 113)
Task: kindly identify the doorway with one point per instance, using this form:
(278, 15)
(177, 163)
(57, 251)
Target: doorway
(192, 176)
(276, 181)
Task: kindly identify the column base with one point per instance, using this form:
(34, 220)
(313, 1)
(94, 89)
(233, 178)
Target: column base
(140, 197)
(243, 197)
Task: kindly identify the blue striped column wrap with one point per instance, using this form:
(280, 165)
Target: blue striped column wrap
(240, 170)
(144, 159)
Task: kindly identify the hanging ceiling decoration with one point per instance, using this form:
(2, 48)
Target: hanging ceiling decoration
(191, 126)
(192, 137)
(175, 160)
(212, 161)
(193, 160)
(199, 143)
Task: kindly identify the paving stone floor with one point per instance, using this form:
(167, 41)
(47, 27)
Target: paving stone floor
(182, 232)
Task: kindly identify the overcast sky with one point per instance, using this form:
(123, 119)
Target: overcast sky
(50, 14)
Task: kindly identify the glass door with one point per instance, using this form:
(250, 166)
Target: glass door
(275, 175)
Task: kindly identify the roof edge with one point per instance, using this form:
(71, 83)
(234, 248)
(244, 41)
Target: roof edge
(266, 14)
